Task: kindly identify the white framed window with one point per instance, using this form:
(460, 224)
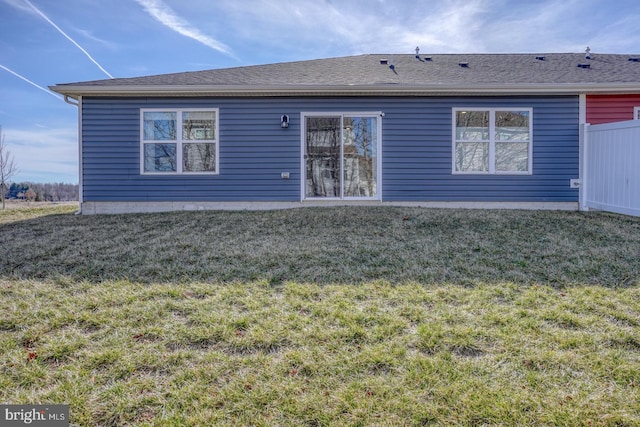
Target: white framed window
(341, 155)
(492, 141)
(179, 141)
(636, 113)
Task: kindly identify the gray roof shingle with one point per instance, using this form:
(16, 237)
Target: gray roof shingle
(440, 70)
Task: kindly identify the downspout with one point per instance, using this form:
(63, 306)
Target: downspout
(69, 101)
(78, 104)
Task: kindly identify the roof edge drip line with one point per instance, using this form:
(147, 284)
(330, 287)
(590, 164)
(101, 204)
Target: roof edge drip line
(372, 90)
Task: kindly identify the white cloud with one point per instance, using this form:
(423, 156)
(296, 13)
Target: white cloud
(621, 35)
(558, 26)
(167, 17)
(314, 29)
(45, 155)
(540, 27)
(358, 26)
(443, 27)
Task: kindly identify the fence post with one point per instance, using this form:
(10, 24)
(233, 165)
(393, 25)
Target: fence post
(583, 166)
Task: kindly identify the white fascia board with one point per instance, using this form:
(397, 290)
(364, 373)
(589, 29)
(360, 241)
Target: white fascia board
(310, 90)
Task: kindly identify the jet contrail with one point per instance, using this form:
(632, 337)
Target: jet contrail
(29, 81)
(167, 17)
(35, 9)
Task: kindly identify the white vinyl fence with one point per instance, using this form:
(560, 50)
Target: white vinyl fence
(611, 167)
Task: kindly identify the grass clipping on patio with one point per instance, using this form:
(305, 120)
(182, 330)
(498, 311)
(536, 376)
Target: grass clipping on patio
(349, 316)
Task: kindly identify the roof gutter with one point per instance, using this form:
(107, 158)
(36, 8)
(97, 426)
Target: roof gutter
(74, 91)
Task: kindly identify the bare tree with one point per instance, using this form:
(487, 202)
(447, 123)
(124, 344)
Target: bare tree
(30, 195)
(8, 167)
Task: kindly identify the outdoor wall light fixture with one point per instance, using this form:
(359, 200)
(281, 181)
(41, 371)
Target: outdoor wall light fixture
(284, 121)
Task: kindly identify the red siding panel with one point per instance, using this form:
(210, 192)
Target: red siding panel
(611, 108)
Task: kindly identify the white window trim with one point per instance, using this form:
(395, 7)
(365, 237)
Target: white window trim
(492, 157)
(636, 113)
(179, 141)
(341, 114)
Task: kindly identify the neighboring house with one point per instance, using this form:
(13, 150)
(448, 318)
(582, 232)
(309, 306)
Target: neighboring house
(463, 130)
(612, 108)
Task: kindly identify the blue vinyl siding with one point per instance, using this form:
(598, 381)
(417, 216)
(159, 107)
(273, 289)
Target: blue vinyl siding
(254, 150)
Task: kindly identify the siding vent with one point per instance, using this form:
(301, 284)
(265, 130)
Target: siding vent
(584, 65)
(384, 61)
(541, 58)
(634, 59)
(463, 64)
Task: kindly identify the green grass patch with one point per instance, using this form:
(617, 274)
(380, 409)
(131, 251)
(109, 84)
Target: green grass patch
(122, 353)
(325, 246)
(323, 317)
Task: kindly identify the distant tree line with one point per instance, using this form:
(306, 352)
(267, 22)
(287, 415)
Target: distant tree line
(38, 192)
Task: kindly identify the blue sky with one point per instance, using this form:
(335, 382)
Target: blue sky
(45, 42)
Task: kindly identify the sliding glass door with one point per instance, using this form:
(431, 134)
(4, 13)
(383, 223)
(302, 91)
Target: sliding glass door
(341, 156)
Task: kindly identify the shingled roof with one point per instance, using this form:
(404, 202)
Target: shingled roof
(391, 74)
